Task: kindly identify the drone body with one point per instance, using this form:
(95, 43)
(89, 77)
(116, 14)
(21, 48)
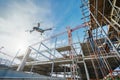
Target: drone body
(38, 29)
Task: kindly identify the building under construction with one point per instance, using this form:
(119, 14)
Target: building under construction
(96, 57)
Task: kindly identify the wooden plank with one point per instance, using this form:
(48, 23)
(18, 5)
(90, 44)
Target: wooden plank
(65, 48)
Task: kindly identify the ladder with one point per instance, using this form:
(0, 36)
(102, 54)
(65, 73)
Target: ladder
(85, 11)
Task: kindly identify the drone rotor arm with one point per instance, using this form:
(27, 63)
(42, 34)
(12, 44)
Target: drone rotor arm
(48, 29)
(31, 30)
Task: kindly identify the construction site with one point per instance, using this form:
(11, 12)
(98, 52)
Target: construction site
(96, 57)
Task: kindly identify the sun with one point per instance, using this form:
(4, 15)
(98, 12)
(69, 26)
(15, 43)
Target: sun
(22, 46)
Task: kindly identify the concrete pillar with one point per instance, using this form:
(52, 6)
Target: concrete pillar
(21, 66)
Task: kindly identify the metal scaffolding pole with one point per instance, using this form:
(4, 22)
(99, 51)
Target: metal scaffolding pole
(53, 59)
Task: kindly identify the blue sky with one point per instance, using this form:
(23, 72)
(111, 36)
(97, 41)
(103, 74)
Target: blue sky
(16, 16)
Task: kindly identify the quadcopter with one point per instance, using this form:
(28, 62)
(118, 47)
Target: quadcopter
(38, 29)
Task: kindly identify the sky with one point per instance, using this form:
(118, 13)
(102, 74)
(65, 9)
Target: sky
(17, 16)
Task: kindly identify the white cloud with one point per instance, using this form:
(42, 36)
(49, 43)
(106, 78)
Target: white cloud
(21, 16)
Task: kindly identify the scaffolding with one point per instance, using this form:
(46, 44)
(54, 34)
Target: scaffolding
(104, 42)
(94, 58)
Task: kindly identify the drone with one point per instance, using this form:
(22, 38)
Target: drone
(38, 29)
